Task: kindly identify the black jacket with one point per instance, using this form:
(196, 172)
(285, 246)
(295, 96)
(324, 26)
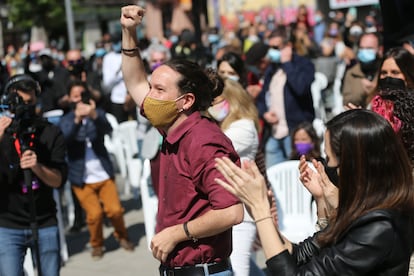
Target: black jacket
(378, 243)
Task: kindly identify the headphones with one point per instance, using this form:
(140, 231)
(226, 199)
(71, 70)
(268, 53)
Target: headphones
(18, 78)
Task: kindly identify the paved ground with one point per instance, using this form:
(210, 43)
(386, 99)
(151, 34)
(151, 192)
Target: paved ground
(116, 261)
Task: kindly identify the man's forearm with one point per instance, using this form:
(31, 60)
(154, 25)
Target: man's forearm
(51, 177)
(215, 221)
(133, 69)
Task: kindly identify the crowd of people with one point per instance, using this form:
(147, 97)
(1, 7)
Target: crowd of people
(226, 109)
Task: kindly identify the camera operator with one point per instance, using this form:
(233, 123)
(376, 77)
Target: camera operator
(28, 214)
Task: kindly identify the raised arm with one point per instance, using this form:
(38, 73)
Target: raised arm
(133, 68)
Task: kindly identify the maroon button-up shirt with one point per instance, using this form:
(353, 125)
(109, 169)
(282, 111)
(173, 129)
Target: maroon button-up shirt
(186, 188)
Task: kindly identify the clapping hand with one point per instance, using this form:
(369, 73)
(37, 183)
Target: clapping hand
(247, 183)
(318, 184)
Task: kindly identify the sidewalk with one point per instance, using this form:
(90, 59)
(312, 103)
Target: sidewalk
(117, 261)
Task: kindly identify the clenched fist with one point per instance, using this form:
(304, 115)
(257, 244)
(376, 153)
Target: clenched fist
(131, 16)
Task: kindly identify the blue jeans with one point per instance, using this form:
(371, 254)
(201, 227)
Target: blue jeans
(14, 243)
(223, 273)
(277, 150)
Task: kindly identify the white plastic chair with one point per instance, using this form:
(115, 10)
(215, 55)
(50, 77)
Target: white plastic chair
(64, 252)
(338, 105)
(53, 116)
(134, 172)
(149, 202)
(320, 82)
(295, 212)
(28, 268)
(114, 146)
(127, 133)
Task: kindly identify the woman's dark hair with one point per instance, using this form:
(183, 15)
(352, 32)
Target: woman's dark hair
(403, 101)
(204, 84)
(404, 60)
(310, 130)
(374, 169)
(237, 63)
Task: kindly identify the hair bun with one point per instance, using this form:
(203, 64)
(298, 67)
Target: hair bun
(216, 82)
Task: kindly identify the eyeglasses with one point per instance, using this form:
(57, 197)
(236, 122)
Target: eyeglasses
(74, 62)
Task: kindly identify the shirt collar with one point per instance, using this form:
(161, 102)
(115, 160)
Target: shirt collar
(183, 128)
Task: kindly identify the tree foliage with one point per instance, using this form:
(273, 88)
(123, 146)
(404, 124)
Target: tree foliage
(49, 14)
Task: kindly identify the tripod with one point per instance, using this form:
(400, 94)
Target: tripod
(33, 223)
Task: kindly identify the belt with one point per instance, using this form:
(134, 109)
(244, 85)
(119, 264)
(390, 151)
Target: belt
(195, 270)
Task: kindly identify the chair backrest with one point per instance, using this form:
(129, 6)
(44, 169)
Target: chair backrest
(294, 202)
(149, 202)
(338, 105)
(127, 132)
(112, 120)
(53, 116)
(320, 83)
(113, 144)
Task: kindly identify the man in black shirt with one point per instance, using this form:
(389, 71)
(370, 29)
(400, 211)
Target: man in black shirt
(31, 151)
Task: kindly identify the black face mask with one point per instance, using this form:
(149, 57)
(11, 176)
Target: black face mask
(47, 63)
(390, 83)
(72, 106)
(76, 69)
(332, 174)
(370, 68)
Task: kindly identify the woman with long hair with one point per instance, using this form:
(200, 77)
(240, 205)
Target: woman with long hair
(370, 228)
(237, 116)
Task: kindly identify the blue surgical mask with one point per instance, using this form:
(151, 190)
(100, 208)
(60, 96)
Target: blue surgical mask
(233, 77)
(273, 55)
(174, 39)
(369, 24)
(318, 18)
(213, 38)
(116, 47)
(100, 52)
(366, 55)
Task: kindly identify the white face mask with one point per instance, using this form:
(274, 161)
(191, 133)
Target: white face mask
(355, 30)
(233, 77)
(219, 111)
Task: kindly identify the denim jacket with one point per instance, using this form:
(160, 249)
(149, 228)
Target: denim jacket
(76, 136)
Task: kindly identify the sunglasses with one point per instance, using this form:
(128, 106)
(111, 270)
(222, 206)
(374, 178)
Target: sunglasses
(75, 62)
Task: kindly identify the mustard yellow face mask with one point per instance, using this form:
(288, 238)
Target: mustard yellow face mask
(161, 113)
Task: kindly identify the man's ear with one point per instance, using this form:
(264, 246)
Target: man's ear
(189, 100)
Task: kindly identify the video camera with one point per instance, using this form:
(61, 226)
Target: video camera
(24, 123)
